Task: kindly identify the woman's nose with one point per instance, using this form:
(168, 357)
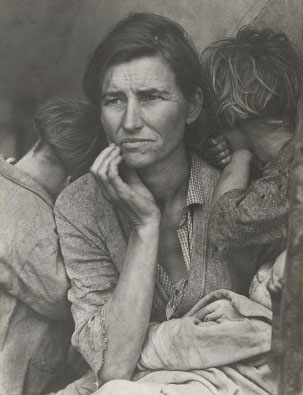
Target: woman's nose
(132, 119)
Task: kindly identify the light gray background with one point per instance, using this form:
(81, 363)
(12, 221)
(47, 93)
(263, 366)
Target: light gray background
(45, 44)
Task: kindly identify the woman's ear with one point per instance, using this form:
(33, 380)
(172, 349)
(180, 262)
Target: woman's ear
(194, 107)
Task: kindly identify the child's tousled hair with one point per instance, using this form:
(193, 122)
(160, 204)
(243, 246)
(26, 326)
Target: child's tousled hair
(71, 129)
(255, 74)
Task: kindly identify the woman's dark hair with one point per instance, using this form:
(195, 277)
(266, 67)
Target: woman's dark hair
(255, 74)
(71, 129)
(145, 34)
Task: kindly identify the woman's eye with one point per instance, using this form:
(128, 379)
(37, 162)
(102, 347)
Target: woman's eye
(113, 101)
(150, 98)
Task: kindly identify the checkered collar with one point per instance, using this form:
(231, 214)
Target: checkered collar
(195, 185)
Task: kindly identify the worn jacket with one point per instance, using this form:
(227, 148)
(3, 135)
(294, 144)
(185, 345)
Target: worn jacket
(34, 310)
(94, 239)
(259, 214)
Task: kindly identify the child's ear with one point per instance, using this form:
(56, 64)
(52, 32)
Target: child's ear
(194, 107)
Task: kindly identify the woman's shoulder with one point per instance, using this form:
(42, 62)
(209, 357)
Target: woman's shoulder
(82, 197)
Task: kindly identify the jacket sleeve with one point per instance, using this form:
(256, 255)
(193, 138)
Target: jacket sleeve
(188, 343)
(93, 278)
(258, 215)
(32, 268)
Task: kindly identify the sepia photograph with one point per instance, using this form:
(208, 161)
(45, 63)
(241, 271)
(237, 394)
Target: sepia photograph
(151, 197)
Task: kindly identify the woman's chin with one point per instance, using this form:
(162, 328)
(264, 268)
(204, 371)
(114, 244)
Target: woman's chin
(137, 160)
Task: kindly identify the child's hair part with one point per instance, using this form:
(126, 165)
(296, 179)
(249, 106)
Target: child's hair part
(255, 74)
(71, 129)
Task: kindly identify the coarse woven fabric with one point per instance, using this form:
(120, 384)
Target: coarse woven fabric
(259, 214)
(35, 313)
(94, 239)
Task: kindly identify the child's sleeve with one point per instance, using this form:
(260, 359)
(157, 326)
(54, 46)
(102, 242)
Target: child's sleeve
(258, 215)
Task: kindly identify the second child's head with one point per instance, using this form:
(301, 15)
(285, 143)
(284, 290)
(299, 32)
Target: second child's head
(255, 76)
(70, 130)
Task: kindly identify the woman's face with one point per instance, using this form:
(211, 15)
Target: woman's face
(143, 110)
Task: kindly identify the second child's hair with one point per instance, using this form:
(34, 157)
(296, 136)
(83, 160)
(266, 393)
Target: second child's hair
(255, 74)
(71, 129)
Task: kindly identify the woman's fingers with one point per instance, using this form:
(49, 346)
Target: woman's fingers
(103, 166)
(100, 167)
(100, 170)
(131, 194)
(215, 315)
(101, 157)
(217, 309)
(121, 190)
(201, 314)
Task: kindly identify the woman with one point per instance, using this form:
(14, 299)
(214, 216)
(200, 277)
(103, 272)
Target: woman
(135, 236)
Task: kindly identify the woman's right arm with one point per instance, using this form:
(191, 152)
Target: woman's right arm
(123, 316)
(127, 313)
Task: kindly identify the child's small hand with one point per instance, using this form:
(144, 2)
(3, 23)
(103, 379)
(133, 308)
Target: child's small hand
(276, 282)
(219, 309)
(11, 160)
(218, 151)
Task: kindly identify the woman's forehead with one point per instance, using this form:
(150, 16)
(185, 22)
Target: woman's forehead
(150, 72)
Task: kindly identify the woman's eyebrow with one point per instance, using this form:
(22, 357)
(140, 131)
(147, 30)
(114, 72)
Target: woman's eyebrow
(112, 94)
(151, 91)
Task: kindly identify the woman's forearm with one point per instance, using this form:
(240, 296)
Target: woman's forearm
(127, 313)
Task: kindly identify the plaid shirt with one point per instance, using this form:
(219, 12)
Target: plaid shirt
(175, 292)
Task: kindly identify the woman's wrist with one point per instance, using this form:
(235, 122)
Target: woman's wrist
(148, 226)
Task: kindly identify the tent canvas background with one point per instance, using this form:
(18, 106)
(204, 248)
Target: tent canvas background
(45, 44)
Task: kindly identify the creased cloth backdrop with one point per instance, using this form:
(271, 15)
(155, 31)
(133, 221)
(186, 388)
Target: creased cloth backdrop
(45, 44)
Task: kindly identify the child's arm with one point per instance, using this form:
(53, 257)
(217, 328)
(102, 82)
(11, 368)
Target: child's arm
(259, 214)
(235, 175)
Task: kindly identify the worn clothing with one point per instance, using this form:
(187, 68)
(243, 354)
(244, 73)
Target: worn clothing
(229, 380)
(175, 292)
(259, 214)
(34, 326)
(178, 356)
(189, 344)
(94, 237)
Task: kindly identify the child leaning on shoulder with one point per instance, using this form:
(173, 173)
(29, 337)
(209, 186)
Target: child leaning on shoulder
(256, 85)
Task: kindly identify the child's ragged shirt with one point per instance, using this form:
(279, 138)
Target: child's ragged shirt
(258, 215)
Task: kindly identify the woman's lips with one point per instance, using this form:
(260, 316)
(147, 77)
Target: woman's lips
(135, 143)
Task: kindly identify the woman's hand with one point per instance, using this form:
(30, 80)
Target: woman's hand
(132, 196)
(219, 309)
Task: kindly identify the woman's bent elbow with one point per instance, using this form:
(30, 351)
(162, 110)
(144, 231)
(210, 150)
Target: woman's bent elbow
(115, 373)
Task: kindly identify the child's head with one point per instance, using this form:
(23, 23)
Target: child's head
(254, 75)
(268, 279)
(258, 291)
(70, 129)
